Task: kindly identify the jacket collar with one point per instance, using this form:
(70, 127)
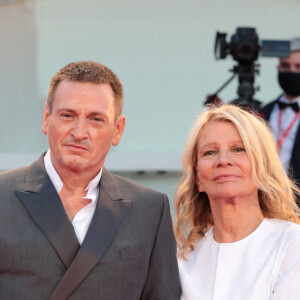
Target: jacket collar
(42, 202)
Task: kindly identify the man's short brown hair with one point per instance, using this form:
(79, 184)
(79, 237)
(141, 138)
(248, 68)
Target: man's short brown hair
(88, 71)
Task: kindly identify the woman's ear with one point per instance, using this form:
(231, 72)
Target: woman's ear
(200, 189)
(197, 181)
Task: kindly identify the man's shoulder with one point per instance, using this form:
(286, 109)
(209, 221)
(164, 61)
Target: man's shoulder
(16, 177)
(267, 109)
(12, 180)
(13, 175)
(139, 195)
(133, 187)
(270, 104)
(18, 173)
(146, 205)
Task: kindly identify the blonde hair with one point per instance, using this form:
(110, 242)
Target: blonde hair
(276, 192)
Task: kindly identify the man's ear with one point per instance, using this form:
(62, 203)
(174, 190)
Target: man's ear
(119, 128)
(46, 117)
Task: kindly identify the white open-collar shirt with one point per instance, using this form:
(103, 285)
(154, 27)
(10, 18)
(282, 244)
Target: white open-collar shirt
(83, 218)
(265, 265)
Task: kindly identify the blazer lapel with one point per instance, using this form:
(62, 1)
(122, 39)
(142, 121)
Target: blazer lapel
(43, 204)
(110, 212)
(268, 109)
(295, 155)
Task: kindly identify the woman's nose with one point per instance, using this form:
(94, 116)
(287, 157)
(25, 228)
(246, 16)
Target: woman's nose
(224, 158)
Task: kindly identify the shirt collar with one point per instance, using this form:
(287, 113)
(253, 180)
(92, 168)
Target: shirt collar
(284, 99)
(92, 188)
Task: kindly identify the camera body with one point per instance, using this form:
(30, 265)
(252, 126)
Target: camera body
(244, 46)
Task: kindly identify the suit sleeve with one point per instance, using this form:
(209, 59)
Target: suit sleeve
(163, 278)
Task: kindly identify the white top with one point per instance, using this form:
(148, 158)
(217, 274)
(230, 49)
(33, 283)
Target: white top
(264, 265)
(287, 116)
(83, 218)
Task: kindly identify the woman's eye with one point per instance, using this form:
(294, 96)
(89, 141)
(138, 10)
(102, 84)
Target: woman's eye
(209, 152)
(239, 149)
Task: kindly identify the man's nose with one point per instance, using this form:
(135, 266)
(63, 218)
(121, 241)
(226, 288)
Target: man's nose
(224, 158)
(80, 129)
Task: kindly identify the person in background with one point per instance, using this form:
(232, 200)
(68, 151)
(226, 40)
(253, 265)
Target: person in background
(283, 114)
(69, 228)
(236, 218)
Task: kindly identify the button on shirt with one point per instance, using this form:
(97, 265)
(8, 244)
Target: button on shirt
(287, 116)
(83, 218)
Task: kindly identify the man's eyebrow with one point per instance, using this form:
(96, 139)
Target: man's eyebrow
(66, 109)
(97, 113)
(92, 113)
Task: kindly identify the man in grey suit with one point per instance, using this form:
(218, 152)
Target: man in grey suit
(68, 228)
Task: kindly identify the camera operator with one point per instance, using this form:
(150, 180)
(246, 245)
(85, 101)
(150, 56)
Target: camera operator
(283, 114)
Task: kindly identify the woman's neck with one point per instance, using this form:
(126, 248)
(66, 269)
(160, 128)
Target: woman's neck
(234, 219)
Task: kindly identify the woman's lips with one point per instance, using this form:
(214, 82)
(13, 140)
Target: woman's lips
(226, 177)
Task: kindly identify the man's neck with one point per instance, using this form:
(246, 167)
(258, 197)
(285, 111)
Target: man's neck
(290, 98)
(69, 178)
(75, 185)
(75, 180)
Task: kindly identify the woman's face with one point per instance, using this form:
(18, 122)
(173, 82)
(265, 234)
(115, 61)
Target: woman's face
(223, 167)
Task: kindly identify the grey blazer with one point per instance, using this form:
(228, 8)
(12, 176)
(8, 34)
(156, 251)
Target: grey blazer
(129, 251)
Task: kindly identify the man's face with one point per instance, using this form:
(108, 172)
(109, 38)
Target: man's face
(82, 126)
(290, 64)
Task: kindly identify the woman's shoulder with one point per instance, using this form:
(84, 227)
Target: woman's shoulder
(288, 226)
(292, 234)
(288, 258)
(199, 246)
(289, 231)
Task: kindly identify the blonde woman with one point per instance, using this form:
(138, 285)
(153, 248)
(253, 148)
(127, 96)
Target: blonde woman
(236, 217)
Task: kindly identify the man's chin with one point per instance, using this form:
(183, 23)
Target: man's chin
(75, 163)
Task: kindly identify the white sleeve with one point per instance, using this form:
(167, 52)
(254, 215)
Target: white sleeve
(287, 285)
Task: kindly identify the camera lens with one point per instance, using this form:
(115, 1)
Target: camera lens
(245, 51)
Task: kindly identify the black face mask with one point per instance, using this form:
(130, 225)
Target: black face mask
(290, 83)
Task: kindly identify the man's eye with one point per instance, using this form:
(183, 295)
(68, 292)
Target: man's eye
(284, 66)
(97, 119)
(67, 116)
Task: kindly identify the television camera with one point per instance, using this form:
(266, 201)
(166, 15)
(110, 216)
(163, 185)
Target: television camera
(244, 47)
